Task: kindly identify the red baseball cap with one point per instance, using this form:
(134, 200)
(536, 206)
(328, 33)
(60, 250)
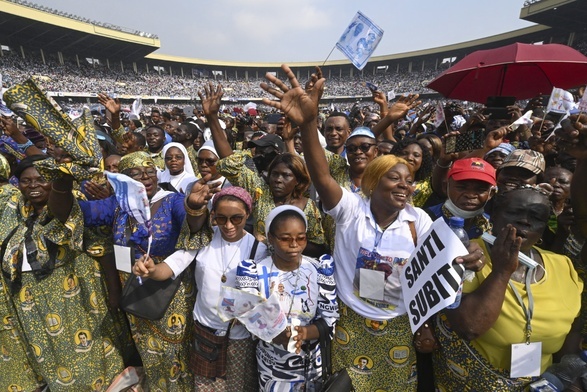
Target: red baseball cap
(472, 169)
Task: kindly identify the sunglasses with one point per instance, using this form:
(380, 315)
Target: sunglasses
(208, 162)
(235, 219)
(291, 240)
(365, 147)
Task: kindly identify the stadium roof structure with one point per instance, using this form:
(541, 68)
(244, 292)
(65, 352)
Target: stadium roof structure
(527, 34)
(561, 14)
(39, 29)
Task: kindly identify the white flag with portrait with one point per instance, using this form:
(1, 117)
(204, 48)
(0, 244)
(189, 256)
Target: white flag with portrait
(359, 40)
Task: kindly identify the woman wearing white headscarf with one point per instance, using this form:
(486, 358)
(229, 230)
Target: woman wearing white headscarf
(178, 169)
(207, 159)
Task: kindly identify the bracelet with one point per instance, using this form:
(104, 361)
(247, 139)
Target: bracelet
(443, 167)
(191, 212)
(58, 191)
(25, 145)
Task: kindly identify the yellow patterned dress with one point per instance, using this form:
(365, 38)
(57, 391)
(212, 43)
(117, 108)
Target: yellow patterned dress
(57, 309)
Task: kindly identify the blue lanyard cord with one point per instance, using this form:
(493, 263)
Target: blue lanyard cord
(528, 311)
(378, 237)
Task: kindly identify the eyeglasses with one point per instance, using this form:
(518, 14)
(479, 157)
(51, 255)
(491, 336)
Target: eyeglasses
(235, 219)
(36, 181)
(208, 162)
(365, 147)
(302, 239)
(138, 174)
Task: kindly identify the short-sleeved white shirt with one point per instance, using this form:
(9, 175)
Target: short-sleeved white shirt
(360, 244)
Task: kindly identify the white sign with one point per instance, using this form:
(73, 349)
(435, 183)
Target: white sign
(430, 280)
(359, 40)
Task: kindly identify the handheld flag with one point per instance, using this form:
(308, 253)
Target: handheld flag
(132, 199)
(439, 112)
(560, 101)
(526, 120)
(359, 40)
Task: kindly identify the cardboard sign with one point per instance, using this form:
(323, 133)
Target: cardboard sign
(430, 280)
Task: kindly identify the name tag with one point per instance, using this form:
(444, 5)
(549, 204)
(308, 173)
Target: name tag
(371, 284)
(526, 360)
(122, 255)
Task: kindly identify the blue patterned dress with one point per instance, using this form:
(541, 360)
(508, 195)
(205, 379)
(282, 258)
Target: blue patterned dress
(164, 344)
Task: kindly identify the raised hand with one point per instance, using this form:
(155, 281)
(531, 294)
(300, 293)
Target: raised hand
(314, 78)
(211, 99)
(401, 107)
(495, 137)
(300, 105)
(201, 192)
(111, 104)
(380, 99)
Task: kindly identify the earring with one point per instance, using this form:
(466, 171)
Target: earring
(270, 249)
(539, 242)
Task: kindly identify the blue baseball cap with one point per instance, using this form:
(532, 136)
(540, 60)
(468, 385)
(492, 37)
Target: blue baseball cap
(362, 131)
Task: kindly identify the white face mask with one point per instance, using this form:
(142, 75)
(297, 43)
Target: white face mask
(460, 212)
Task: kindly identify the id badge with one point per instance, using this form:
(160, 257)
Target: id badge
(371, 284)
(526, 359)
(123, 257)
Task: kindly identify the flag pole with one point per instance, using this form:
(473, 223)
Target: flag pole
(327, 57)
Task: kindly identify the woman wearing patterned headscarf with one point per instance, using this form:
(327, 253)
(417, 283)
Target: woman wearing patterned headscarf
(169, 337)
(57, 328)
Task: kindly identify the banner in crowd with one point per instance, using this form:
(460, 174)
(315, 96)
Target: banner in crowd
(430, 280)
(359, 40)
(560, 101)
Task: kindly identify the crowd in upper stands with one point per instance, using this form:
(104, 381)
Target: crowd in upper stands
(82, 19)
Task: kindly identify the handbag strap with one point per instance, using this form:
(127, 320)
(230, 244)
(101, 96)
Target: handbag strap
(254, 249)
(324, 333)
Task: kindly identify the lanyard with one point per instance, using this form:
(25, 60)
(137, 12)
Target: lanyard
(528, 311)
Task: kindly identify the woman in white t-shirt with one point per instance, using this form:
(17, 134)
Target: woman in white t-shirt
(235, 368)
(374, 237)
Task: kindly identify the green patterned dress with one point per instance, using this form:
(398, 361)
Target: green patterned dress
(58, 310)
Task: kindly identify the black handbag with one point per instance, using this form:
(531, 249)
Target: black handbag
(339, 381)
(149, 300)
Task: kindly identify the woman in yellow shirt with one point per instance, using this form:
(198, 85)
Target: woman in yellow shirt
(508, 307)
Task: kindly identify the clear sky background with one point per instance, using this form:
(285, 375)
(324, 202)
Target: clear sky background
(297, 30)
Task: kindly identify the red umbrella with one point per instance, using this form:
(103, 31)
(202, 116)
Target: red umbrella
(518, 70)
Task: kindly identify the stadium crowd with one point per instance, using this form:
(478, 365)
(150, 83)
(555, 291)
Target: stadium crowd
(233, 248)
(69, 78)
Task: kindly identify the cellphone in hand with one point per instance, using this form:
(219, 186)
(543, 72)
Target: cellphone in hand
(470, 140)
(371, 86)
